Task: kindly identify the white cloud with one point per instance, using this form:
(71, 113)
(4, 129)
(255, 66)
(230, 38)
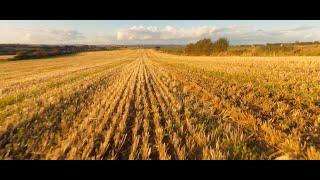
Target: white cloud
(42, 36)
(166, 33)
(54, 36)
(138, 33)
(65, 35)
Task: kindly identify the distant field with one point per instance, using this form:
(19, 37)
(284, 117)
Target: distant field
(5, 57)
(256, 50)
(143, 104)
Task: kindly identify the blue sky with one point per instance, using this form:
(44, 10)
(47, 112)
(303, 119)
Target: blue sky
(156, 31)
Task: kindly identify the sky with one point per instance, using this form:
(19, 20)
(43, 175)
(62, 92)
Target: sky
(104, 32)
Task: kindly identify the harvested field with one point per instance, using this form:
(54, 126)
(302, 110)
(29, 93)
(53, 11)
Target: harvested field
(143, 104)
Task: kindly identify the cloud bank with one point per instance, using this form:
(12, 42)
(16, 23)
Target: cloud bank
(236, 34)
(139, 34)
(54, 36)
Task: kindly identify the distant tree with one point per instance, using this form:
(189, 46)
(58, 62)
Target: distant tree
(54, 52)
(40, 53)
(23, 54)
(190, 49)
(204, 47)
(201, 47)
(220, 45)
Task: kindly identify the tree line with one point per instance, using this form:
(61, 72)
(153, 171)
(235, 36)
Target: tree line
(51, 51)
(206, 47)
(221, 47)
